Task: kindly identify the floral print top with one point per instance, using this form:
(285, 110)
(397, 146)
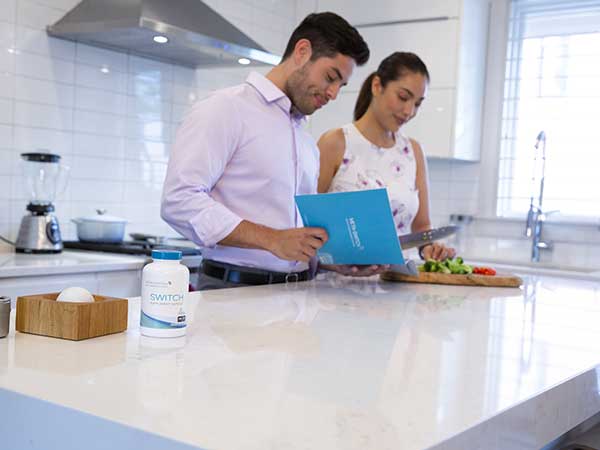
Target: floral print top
(367, 166)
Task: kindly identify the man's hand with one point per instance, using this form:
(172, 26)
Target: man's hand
(293, 244)
(356, 270)
(297, 244)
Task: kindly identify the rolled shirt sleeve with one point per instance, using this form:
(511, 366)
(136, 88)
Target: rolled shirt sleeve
(204, 144)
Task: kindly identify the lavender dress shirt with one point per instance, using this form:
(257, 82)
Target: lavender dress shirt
(239, 154)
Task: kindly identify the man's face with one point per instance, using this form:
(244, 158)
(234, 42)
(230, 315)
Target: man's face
(315, 83)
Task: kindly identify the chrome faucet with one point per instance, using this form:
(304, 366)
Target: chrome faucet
(536, 216)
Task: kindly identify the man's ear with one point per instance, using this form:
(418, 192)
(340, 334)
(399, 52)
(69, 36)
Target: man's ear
(302, 52)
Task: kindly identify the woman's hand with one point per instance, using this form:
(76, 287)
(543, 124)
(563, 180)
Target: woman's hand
(356, 270)
(437, 251)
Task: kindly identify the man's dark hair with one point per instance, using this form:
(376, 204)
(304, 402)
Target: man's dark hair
(329, 34)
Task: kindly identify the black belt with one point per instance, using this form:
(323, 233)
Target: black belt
(249, 275)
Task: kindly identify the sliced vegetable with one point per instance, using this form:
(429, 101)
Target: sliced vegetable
(484, 271)
(454, 266)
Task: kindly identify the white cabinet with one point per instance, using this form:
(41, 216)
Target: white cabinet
(435, 42)
(449, 123)
(377, 11)
(334, 115)
(122, 283)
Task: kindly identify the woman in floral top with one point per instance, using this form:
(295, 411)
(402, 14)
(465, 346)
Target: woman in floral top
(372, 152)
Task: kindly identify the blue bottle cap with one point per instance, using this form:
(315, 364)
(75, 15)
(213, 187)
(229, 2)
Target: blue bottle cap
(172, 255)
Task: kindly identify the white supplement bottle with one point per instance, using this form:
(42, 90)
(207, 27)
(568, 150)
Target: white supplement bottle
(164, 285)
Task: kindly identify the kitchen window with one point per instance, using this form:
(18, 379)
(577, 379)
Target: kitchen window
(552, 84)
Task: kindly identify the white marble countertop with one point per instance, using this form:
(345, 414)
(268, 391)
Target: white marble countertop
(329, 364)
(68, 261)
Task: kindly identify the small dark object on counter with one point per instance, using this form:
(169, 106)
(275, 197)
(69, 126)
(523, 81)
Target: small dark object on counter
(4, 316)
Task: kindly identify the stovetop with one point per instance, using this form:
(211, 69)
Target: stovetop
(129, 247)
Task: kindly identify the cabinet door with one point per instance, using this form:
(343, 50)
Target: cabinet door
(433, 126)
(126, 283)
(334, 115)
(359, 12)
(18, 286)
(435, 42)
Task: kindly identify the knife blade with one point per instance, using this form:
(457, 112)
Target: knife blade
(426, 237)
(409, 268)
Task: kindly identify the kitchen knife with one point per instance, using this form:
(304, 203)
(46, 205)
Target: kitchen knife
(410, 268)
(426, 237)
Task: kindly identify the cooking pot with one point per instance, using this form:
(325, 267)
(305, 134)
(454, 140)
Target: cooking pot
(100, 228)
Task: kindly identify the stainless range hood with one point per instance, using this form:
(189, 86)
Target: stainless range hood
(197, 35)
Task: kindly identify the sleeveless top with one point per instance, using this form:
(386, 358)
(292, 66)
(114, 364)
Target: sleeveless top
(367, 166)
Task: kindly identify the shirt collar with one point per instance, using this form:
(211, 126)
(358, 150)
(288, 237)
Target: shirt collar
(272, 94)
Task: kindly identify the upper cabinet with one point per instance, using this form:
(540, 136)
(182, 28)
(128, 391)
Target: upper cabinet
(451, 38)
(379, 11)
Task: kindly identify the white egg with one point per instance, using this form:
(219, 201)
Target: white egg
(75, 294)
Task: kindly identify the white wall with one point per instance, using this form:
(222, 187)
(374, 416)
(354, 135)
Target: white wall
(113, 129)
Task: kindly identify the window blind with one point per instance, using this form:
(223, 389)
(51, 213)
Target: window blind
(552, 84)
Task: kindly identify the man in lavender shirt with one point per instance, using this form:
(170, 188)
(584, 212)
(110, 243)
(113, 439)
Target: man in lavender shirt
(241, 155)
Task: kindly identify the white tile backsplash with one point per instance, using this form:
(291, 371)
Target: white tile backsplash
(7, 62)
(149, 85)
(148, 129)
(147, 150)
(98, 100)
(100, 77)
(101, 58)
(6, 111)
(45, 68)
(97, 168)
(7, 35)
(65, 5)
(43, 116)
(32, 90)
(142, 192)
(6, 162)
(8, 12)
(30, 40)
(5, 180)
(6, 137)
(95, 191)
(33, 14)
(152, 172)
(149, 108)
(28, 139)
(104, 124)
(7, 85)
(149, 68)
(85, 144)
(110, 115)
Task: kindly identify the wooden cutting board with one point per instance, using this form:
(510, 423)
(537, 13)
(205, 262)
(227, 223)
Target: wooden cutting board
(500, 280)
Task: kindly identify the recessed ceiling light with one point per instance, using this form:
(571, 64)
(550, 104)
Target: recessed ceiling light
(104, 69)
(244, 61)
(161, 39)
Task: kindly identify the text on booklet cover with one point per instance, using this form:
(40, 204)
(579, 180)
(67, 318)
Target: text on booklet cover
(359, 224)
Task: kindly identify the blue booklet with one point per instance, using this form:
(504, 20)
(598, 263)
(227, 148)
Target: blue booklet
(359, 224)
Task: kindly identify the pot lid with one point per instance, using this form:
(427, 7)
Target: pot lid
(101, 216)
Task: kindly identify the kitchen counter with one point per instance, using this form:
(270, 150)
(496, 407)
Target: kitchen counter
(68, 262)
(330, 364)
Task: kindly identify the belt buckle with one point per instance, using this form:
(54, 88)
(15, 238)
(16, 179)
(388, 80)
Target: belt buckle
(292, 277)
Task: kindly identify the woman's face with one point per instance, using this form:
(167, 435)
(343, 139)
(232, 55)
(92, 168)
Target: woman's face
(400, 100)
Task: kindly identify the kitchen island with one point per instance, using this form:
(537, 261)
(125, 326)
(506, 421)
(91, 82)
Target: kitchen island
(335, 363)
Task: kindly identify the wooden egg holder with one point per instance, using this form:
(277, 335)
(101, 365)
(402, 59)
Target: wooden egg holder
(42, 314)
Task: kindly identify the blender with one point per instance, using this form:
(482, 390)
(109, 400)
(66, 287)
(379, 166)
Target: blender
(44, 178)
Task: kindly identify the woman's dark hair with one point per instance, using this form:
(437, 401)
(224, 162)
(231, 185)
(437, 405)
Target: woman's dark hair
(391, 68)
(329, 34)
